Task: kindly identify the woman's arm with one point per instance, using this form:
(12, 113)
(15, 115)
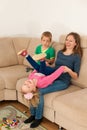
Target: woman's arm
(73, 74)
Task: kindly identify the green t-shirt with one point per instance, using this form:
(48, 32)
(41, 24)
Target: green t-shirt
(50, 52)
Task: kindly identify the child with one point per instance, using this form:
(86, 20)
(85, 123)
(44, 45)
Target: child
(45, 47)
(39, 80)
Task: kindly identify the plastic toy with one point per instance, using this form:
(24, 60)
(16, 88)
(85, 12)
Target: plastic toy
(9, 123)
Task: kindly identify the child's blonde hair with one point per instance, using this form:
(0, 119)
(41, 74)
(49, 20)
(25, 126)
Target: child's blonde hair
(35, 99)
(47, 34)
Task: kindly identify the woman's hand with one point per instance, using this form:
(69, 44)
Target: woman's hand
(71, 73)
(66, 69)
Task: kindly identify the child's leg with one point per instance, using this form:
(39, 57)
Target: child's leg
(42, 68)
(47, 70)
(45, 81)
(35, 65)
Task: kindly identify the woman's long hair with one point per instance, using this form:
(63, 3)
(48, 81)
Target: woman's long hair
(77, 49)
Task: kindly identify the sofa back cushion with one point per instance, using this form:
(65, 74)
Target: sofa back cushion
(82, 80)
(20, 43)
(7, 53)
(34, 42)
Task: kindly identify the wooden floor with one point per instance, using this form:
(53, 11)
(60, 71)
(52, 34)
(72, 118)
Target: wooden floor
(47, 124)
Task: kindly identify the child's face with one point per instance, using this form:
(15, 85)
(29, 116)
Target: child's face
(45, 41)
(28, 87)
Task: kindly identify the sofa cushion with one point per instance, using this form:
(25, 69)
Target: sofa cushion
(2, 83)
(73, 106)
(8, 56)
(20, 43)
(52, 96)
(20, 82)
(82, 80)
(11, 74)
(57, 46)
(34, 42)
(2, 95)
(48, 97)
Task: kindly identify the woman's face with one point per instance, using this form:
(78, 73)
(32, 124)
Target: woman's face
(70, 42)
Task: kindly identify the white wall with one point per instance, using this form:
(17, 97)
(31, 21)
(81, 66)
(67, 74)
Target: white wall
(32, 17)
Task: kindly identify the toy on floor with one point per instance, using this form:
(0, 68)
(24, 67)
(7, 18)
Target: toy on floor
(9, 123)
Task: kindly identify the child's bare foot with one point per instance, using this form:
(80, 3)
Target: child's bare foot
(22, 52)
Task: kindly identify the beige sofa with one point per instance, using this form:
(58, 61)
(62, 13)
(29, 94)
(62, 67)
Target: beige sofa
(67, 108)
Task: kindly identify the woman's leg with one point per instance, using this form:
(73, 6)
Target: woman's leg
(38, 111)
(57, 85)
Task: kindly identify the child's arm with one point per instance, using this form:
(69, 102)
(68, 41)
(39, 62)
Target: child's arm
(50, 58)
(50, 61)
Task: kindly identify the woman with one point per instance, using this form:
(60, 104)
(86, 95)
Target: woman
(70, 58)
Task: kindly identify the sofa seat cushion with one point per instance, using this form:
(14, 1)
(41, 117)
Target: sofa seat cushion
(2, 83)
(11, 74)
(2, 95)
(7, 53)
(49, 98)
(20, 82)
(73, 106)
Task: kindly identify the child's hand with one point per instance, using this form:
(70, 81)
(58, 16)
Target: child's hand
(47, 63)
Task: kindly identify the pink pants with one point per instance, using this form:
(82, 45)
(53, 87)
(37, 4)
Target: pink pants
(44, 81)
